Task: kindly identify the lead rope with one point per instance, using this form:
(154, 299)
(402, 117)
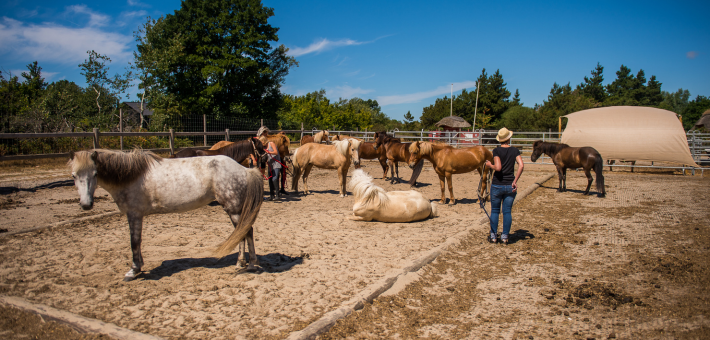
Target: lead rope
(489, 179)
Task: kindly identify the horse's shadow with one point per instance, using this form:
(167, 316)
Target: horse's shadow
(335, 192)
(420, 185)
(463, 201)
(270, 263)
(520, 235)
(52, 185)
(591, 192)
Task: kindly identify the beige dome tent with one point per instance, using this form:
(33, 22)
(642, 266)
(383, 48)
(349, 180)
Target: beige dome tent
(630, 133)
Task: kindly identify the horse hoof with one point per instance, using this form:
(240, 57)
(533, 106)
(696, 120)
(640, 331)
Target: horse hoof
(130, 275)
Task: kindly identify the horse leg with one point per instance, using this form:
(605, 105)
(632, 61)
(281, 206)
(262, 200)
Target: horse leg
(306, 172)
(383, 163)
(564, 179)
(452, 199)
(253, 261)
(135, 224)
(391, 165)
(396, 168)
(342, 177)
(588, 173)
(442, 182)
(242, 261)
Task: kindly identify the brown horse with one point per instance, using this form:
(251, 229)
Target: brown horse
(186, 152)
(336, 156)
(283, 144)
(343, 137)
(319, 137)
(396, 152)
(368, 151)
(448, 161)
(239, 151)
(565, 156)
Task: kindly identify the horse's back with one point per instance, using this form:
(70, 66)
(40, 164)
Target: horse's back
(404, 206)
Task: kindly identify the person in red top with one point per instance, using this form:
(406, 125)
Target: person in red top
(504, 186)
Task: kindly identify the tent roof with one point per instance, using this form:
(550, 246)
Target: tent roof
(453, 121)
(630, 133)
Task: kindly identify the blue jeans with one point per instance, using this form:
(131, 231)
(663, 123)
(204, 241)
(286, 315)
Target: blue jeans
(502, 194)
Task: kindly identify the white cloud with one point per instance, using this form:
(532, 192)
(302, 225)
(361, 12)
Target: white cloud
(95, 19)
(346, 92)
(418, 96)
(322, 45)
(55, 43)
(136, 3)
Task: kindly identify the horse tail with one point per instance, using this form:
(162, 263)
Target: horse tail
(251, 204)
(416, 172)
(434, 210)
(598, 168)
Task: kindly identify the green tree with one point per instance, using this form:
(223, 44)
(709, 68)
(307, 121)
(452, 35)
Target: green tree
(520, 118)
(592, 87)
(631, 90)
(562, 100)
(97, 77)
(676, 102)
(13, 101)
(694, 111)
(223, 61)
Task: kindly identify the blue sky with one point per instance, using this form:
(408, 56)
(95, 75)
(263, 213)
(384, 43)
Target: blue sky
(404, 54)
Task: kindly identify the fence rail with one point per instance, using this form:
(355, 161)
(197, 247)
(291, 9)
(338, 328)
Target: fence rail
(698, 143)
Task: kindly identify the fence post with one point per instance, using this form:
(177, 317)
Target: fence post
(172, 144)
(204, 127)
(480, 136)
(226, 135)
(421, 136)
(301, 131)
(120, 125)
(96, 138)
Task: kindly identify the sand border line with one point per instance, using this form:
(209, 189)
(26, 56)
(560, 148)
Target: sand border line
(76, 322)
(376, 289)
(60, 223)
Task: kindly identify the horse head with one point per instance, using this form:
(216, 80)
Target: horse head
(379, 139)
(416, 151)
(354, 145)
(537, 150)
(84, 172)
(259, 150)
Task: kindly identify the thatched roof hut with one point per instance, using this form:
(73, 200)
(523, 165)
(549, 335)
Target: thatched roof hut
(704, 121)
(453, 123)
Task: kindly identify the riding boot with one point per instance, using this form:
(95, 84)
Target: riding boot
(271, 196)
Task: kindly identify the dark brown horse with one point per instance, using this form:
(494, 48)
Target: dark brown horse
(396, 152)
(566, 157)
(239, 151)
(368, 151)
(186, 152)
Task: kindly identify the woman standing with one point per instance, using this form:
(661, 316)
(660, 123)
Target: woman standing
(504, 186)
(274, 162)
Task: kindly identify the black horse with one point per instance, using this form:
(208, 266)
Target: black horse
(565, 156)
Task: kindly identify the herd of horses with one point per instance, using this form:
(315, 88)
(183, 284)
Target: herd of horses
(142, 183)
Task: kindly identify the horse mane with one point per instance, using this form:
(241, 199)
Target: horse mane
(240, 150)
(549, 148)
(365, 191)
(425, 148)
(342, 147)
(115, 167)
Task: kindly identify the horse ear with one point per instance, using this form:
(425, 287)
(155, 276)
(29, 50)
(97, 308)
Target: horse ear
(71, 155)
(94, 156)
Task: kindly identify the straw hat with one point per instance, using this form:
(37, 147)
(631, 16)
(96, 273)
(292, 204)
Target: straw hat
(262, 130)
(504, 134)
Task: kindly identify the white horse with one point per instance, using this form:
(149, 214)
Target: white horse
(374, 203)
(142, 183)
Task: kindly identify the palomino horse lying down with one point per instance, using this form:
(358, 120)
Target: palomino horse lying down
(142, 183)
(374, 203)
(338, 156)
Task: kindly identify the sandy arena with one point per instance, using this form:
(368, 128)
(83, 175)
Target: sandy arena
(630, 265)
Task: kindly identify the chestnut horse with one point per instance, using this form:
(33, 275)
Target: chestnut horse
(396, 152)
(448, 161)
(343, 137)
(565, 156)
(283, 144)
(336, 156)
(317, 138)
(368, 151)
(239, 151)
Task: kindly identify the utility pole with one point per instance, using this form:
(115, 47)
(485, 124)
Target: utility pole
(475, 110)
(452, 100)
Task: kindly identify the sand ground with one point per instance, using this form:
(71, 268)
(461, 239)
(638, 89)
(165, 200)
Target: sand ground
(314, 259)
